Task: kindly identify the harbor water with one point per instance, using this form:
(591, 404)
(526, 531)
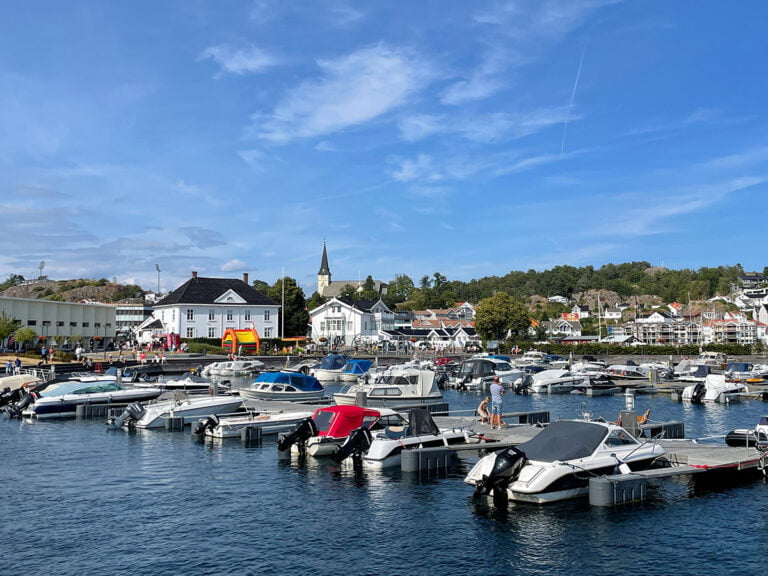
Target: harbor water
(79, 499)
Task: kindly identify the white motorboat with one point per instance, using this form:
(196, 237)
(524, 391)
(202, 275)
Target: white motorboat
(269, 422)
(557, 463)
(715, 388)
(354, 370)
(191, 409)
(329, 368)
(329, 427)
(531, 357)
(188, 383)
(62, 399)
(284, 385)
(629, 371)
(383, 448)
(395, 387)
(557, 381)
(477, 373)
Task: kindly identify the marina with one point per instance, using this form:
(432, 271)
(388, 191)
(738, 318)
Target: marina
(149, 470)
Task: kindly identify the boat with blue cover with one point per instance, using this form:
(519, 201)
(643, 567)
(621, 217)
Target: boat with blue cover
(354, 369)
(329, 368)
(284, 385)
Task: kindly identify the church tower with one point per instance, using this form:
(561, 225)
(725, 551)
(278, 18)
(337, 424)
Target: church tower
(324, 275)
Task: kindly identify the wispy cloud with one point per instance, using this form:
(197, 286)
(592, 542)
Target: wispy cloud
(233, 265)
(485, 128)
(245, 60)
(353, 90)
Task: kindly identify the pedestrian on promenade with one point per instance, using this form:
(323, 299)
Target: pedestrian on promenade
(497, 403)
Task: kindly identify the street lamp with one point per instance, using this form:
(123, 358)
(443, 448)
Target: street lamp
(157, 267)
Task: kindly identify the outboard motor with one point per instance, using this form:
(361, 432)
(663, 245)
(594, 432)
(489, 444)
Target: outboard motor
(129, 417)
(522, 385)
(507, 465)
(304, 431)
(9, 396)
(208, 424)
(15, 410)
(356, 444)
(698, 393)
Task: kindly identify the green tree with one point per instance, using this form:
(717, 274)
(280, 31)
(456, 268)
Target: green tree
(349, 292)
(501, 314)
(369, 291)
(260, 286)
(295, 311)
(7, 326)
(25, 334)
(399, 290)
(315, 301)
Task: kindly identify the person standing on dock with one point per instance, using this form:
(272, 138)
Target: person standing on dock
(497, 402)
(482, 410)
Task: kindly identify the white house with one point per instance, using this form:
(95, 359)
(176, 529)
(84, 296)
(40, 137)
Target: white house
(207, 307)
(612, 314)
(342, 322)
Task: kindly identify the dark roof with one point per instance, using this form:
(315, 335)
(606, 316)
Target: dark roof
(324, 270)
(364, 305)
(206, 290)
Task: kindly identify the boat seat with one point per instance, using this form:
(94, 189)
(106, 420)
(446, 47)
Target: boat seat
(396, 432)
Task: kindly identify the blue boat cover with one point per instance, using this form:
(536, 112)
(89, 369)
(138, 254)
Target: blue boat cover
(357, 366)
(303, 382)
(333, 362)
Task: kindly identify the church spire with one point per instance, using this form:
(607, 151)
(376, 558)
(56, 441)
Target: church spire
(324, 270)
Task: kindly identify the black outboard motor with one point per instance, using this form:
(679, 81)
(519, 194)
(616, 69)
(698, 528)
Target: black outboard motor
(506, 468)
(523, 385)
(129, 417)
(304, 431)
(15, 410)
(355, 445)
(208, 424)
(9, 396)
(698, 393)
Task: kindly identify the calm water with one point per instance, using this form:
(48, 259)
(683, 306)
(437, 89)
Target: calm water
(78, 499)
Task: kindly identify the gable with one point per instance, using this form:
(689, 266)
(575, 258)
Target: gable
(230, 297)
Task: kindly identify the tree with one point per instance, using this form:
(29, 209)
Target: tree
(348, 292)
(399, 290)
(260, 286)
(24, 334)
(499, 314)
(315, 301)
(7, 326)
(369, 290)
(295, 311)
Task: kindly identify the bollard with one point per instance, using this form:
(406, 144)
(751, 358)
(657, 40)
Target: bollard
(174, 423)
(620, 489)
(251, 434)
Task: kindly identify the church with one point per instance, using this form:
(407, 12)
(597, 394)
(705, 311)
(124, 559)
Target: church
(328, 288)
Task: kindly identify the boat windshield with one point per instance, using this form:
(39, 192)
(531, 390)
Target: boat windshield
(80, 388)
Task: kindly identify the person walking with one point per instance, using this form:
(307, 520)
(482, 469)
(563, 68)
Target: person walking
(497, 403)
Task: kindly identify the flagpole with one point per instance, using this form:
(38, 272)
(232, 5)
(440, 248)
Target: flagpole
(282, 309)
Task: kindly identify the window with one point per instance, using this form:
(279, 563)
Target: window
(229, 315)
(73, 324)
(267, 332)
(247, 314)
(190, 314)
(190, 332)
(31, 322)
(211, 314)
(86, 324)
(266, 315)
(211, 332)
(59, 323)
(97, 324)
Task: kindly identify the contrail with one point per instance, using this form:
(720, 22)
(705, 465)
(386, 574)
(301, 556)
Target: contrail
(573, 97)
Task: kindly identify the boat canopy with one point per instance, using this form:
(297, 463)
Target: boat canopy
(332, 362)
(738, 367)
(500, 357)
(420, 423)
(565, 440)
(357, 366)
(300, 381)
(339, 421)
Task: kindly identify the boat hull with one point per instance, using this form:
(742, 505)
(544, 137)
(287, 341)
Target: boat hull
(190, 410)
(66, 406)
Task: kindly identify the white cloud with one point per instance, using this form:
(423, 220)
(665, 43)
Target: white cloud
(233, 265)
(246, 60)
(353, 90)
(420, 126)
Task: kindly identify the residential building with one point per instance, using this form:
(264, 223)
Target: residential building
(342, 322)
(207, 307)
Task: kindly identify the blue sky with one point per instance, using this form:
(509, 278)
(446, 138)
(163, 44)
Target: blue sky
(466, 138)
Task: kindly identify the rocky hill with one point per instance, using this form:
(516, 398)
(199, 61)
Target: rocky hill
(76, 291)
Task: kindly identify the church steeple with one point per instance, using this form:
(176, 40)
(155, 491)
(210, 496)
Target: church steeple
(324, 275)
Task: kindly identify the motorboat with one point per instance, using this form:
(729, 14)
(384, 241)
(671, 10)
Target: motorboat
(715, 362)
(240, 368)
(746, 372)
(597, 385)
(398, 386)
(189, 383)
(191, 409)
(284, 385)
(267, 421)
(328, 428)
(329, 368)
(379, 449)
(355, 369)
(477, 373)
(558, 462)
(715, 388)
(628, 371)
(749, 436)
(62, 399)
(557, 381)
(531, 357)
